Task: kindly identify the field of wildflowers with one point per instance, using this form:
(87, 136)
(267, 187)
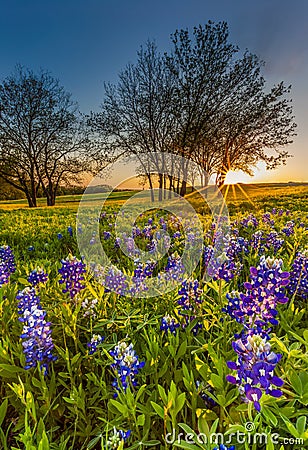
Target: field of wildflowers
(86, 365)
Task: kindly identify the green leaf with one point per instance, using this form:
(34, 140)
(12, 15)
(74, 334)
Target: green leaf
(179, 402)
(217, 381)
(141, 420)
(158, 409)
(296, 383)
(23, 281)
(269, 416)
(301, 424)
(3, 409)
(44, 444)
(186, 445)
(119, 406)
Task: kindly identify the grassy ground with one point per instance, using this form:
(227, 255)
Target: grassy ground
(249, 196)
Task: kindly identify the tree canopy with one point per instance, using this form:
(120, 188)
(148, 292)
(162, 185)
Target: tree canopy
(204, 100)
(43, 138)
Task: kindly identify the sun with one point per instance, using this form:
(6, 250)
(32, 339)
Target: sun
(238, 176)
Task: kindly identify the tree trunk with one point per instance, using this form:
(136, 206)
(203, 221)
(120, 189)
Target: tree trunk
(220, 179)
(183, 188)
(160, 192)
(151, 187)
(31, 203)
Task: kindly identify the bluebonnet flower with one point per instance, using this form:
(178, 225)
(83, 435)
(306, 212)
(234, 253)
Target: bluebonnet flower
(30, 248)
(37, 276)
(37, 341)
(106, 235)
(288, 229)
(175, 268)
(267, 219)
(142, 272)
(224, 447)
(131, 248)
(70, 230)
(201, 387)
(116, 437)
(72, 274)
(219, 267)
(238, 246)
(250, 220)
(274, 242)
(117, 242)
(89, 307)
(148, 231)
(255, 367)
(116, 281)
(126, 366)
(136, 231)
(59, 236)
(7, 264)
(95, 341)
(258, 241)
(257, 306)
(168, 323)
(299, 276)
(189, 302)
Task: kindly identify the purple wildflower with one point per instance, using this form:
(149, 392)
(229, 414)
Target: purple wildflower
(72, 272)
(255, 367)
(37, 344)
(116, 281)
(37, 276)
(93, 344)
(126, 366)
(299, 276)
(189, 303)
(168, 323)
(7, 264)
(116, 437)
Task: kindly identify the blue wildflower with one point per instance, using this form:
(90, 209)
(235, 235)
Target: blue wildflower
(189, 303)
(116, 281)
(117, 437)
(93, 344)
(255, 367)
(126, 366)
(299, 276)
(37, 341)
(224, 447)
(257, 307)
(37, 276)
(168, 323)
(72, 272)
(7, 264)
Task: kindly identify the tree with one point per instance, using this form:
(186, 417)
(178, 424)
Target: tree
(136, 113)
(228, 121)
(204, 101)
(42, 138)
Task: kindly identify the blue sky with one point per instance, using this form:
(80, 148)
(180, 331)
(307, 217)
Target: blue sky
(84, 43)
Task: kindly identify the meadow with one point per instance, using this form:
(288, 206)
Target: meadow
(91, 366)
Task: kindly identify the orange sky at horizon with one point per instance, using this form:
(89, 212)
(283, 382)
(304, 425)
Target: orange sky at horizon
(123, 176)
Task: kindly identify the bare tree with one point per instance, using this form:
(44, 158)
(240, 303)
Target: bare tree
(42, 139)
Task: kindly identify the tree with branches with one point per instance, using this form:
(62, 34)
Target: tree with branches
(43, 139)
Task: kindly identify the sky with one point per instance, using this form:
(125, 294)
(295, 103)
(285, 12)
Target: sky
(85, 43)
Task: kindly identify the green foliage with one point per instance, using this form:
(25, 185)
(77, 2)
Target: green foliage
(74, 406)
